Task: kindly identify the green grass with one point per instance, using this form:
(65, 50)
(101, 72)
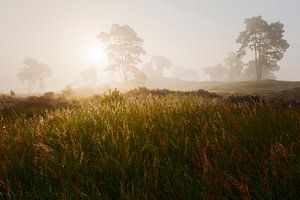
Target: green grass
(255, 87)
(287, 94)
(152, 147)
(271, 88)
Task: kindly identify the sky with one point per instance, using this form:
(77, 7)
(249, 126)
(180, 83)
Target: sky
(192, 33)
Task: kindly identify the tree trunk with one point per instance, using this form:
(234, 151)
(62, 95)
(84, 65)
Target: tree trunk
(260, 66)
(257, 64)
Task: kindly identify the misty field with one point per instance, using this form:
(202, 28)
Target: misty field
(143, 145)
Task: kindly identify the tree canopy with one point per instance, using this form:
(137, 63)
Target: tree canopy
(156, 66)
(230, 70)
(234, 65)
(265, 40)
(89, 76)
(124, 49)
(34, 72)
(216, 73)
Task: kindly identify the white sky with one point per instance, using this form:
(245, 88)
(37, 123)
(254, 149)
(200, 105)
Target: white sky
(191, 33)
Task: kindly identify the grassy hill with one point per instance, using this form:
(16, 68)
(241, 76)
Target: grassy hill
(240, 87)
(178, 84)
(284, 89)
(255, 87)
(265, 87)
(144, 146)
(288, 94)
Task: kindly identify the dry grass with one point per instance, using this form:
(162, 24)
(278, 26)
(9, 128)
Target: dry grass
(153, 147)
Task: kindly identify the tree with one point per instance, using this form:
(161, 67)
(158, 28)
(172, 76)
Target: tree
(34, 72)
(234, 65)
(185, 74)
(250, 72)
(265, 40)
(216, 73)
(230, 70)
(124, 49)
(89, 76)
(159, 63)
(67, 91)
(140, 78)
(156, 66)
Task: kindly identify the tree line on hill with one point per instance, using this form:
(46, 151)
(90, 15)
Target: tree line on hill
(234, 69)
(124, 49)
(264, 40)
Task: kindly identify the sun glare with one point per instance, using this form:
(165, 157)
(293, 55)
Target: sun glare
(95, 55)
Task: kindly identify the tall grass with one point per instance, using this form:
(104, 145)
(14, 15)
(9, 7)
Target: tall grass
(152, 147)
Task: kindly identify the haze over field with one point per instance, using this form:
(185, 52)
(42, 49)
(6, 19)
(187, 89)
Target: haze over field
(192, 34)
(149, 99)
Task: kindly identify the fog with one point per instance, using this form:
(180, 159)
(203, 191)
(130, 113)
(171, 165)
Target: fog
(192, 35)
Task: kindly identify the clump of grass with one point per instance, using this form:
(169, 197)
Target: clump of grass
(140, 91)
(68, 92)
(112, 96)
(12, 93)
(14, 107)
(155, 147)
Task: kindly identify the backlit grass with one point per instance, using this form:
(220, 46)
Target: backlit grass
(153, 147)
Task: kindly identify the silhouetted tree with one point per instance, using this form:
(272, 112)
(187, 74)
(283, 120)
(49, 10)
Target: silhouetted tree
(12, 93)
(160, 63)
(34, 72)
(140, 78)
(148, 69)
(68, 91)
(90, 76)
(216, 73)
(234, 65)
(156, 66)
(250, 71)
(183, 73)
(124, 49)
(265, 40)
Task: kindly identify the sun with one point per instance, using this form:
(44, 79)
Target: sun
(95, 55)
